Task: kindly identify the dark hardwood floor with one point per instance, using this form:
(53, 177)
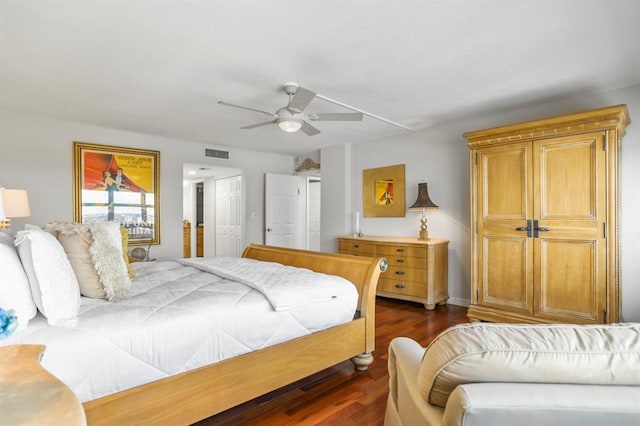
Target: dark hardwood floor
(340, 395)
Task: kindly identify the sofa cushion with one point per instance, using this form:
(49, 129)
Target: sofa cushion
(535, 404)
(541, 353)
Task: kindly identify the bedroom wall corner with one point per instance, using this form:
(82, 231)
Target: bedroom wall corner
(335, 195)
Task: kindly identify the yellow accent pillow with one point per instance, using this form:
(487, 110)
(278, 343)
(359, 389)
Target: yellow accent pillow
(124, 233)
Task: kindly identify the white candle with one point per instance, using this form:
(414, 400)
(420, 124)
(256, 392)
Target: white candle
(357, 220)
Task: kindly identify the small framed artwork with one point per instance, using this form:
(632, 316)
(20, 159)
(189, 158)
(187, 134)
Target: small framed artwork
(118, 184)
(383, 191)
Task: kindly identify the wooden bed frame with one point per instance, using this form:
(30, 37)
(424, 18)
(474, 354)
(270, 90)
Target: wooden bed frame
(200, 393)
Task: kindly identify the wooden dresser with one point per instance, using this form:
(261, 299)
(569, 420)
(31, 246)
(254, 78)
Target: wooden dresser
(417, 268)
(186, 238)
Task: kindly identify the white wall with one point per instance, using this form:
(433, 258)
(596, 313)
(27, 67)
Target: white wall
(335, 200)
(209, 217)
(429, 157)
(439, 156)
(36, 155)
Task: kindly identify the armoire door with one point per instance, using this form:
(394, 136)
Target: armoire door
(504, 247)
(569, 183)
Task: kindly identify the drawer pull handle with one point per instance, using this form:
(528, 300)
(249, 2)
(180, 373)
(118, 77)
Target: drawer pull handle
(355, 246)
(400, 272)
(400, 286)
(400, 260)
(400, 250)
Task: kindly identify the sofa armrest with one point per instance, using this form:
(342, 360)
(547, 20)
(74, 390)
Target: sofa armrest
(405, 405)
(536, 404)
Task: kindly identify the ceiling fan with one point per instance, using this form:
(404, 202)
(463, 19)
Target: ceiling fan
(292, 116)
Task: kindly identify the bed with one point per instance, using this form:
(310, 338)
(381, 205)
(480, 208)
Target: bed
(200, 392)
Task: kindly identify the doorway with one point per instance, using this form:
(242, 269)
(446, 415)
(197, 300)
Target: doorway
(292, 211)
(201, 210)
(229, 216)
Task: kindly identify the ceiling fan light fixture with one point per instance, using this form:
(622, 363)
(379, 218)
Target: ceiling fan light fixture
(290, 125)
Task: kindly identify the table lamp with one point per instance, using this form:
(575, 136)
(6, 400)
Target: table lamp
(423, 202)
(13, 203)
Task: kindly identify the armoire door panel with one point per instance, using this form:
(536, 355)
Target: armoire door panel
(567, 179)
(571, 285)
(506, 271)
(503, 182)
(570, 202)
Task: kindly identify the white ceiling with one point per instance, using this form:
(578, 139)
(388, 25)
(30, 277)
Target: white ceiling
(160, 66)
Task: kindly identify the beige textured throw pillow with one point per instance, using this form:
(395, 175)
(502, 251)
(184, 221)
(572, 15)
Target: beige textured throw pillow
(95, 253)
(76, 244)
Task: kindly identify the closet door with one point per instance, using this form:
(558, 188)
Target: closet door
(570, 212)
(504, 248)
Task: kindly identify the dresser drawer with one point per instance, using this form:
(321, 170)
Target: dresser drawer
(407, 262)
(394, 250)
(401, 287)
(406, 274)
(357, 248)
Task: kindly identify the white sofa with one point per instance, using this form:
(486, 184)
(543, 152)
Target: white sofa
(507, 374)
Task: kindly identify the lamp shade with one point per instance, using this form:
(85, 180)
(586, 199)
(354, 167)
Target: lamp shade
(14, 203)
(423, 201)
(290, 125)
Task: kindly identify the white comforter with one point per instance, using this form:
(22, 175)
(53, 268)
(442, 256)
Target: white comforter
(286, 287)
(177, 318)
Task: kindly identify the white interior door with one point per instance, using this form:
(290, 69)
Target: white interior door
(229, 216)
(313, 214)
(283, 194)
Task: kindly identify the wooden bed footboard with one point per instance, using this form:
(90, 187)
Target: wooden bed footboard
(200, 393)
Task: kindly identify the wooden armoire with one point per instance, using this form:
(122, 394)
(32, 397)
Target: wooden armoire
(544, 219)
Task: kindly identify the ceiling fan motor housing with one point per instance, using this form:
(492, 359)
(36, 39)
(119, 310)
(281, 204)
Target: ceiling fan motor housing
(289, 120)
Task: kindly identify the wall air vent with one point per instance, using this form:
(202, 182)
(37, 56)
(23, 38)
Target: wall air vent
(216, 153)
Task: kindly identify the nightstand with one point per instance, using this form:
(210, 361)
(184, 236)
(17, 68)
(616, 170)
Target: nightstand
(30, 395)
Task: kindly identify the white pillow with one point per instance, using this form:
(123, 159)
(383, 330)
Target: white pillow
(14, 286)
(53, 284)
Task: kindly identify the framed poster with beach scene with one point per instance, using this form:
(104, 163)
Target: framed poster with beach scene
(118, 184)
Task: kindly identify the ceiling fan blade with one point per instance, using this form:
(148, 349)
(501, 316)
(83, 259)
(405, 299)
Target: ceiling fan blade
(308, 129)
(301, 98)
(339, 116)
(248, 108)
(251, 126)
